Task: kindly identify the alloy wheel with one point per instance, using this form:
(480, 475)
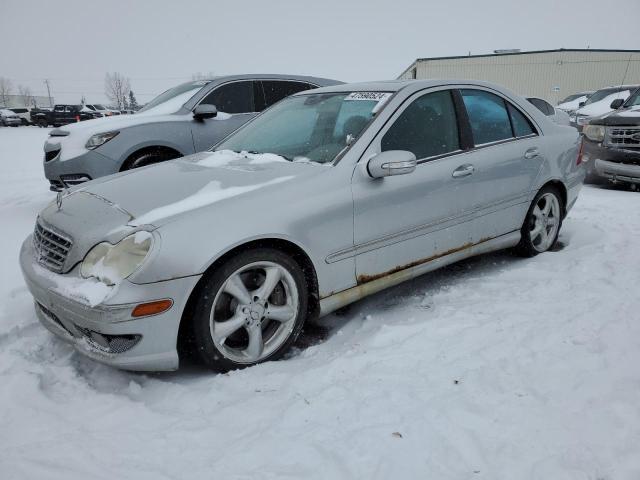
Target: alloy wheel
(254, 312)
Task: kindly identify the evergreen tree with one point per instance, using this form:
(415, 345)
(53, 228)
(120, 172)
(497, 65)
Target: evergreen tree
(133, 103)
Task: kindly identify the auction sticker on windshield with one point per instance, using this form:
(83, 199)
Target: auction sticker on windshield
(375, 96)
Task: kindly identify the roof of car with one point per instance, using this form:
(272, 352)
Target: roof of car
(279, 76)
(397, 85)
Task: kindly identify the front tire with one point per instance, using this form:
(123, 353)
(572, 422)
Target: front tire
(251, 309)
(542, 224)
(149, 157)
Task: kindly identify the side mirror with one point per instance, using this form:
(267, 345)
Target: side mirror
(581, 104)
(392, 162)
(616, 104)
(205, 111)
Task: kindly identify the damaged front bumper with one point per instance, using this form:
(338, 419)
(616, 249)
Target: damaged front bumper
(107, 332)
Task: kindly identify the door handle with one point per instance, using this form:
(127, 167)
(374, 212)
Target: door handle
(463, 171)
(532, 153)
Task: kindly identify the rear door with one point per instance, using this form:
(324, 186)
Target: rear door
(236, 105)
(276, 90)
(507, 156)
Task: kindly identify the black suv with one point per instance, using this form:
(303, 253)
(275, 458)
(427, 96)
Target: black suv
(62, 115)
(611, 146)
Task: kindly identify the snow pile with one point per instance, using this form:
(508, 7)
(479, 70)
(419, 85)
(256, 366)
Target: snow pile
(494, 368)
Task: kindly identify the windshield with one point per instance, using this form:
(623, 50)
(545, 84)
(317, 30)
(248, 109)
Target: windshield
(601, 94)
(98, 107)
(633, 100)
(181, 91)
(313, 127)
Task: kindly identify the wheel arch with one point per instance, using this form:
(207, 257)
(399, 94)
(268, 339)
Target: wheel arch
(560, 186)
(148, 149)
(286, 246)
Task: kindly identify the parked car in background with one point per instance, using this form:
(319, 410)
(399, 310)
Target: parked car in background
(327, 197)
(612, 143)
(186, 119)
(8, 118)
(24, 113)
(571, 103)
(62, 115)
(600, 103)
(558, 116)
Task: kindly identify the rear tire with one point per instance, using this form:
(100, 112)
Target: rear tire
(250, 309)
(542, 224)
(149, 157)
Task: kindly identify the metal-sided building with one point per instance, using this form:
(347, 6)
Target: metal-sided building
(548, 74)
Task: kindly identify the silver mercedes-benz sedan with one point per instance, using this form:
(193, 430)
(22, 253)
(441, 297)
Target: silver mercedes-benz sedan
(328, 196)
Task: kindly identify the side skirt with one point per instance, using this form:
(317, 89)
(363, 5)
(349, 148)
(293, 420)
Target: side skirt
(364, 289)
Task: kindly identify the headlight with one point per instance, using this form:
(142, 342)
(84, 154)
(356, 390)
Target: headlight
(113, 263)
(99, 139)
(594, 132)
(582, 120)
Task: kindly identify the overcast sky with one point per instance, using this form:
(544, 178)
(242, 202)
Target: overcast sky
(158, 44)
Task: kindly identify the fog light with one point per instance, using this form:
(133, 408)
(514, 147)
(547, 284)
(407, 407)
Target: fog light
(152, 308)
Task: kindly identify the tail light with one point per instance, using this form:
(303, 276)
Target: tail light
(579, 160)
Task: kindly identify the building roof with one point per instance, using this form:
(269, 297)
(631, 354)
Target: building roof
(557, 50)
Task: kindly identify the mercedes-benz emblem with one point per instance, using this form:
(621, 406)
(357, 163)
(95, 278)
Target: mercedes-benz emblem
(61, 194)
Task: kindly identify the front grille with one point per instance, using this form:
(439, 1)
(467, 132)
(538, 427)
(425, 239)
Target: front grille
(623, 137)
(56, 185)
(74, 179)
(51, 154)
(51, 248)
(110, 343)
(52, 316)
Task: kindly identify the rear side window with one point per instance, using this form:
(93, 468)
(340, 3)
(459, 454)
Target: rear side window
(275, 90)
(487, 115)
(234, 97)
(427, 127)
(20, 110)
(521, 125)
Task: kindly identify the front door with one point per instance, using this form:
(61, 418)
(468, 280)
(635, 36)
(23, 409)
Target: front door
(407, 219)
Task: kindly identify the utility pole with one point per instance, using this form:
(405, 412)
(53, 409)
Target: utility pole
(46, 82)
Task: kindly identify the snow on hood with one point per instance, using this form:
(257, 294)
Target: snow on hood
(602, 106)
(152, 194)
(632, 112)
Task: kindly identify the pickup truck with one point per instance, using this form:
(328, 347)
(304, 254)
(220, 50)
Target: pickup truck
(61, 115)
(611, 145)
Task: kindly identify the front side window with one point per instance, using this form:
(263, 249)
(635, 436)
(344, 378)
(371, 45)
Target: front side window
(487, 115)
(427, 127)
(276, 90)
(310, 127)
(234, 97)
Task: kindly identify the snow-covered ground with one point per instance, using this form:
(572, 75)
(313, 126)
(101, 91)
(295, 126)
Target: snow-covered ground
(494, 368)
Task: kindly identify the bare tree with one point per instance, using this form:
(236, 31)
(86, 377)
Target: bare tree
(25, 96)
(6, 87)
(117, 87)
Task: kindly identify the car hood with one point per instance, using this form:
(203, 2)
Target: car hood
(157, 194)
(627, 116)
